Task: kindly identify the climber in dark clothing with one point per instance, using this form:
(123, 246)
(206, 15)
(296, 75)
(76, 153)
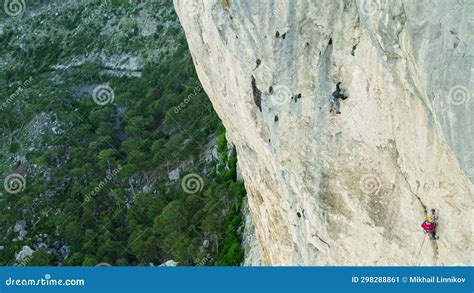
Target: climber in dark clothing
(338, 86)
(334, 100)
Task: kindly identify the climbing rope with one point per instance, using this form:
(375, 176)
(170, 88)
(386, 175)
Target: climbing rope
(419, 253)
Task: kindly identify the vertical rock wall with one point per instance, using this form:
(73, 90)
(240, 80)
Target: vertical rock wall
(348, 189)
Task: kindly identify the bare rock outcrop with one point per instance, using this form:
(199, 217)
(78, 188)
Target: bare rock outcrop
(348, 189)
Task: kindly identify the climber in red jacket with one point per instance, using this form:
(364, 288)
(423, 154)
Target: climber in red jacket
(429, 226)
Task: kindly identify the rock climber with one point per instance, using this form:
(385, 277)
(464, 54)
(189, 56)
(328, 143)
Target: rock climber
(429, 226)
(334, 100)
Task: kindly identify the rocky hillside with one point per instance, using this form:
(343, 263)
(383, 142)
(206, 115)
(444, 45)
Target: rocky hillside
(348, 189)
(110, 151)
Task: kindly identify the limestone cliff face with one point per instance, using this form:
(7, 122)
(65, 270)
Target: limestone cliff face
(349, 189)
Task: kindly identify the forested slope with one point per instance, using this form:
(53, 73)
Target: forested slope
(102, 118)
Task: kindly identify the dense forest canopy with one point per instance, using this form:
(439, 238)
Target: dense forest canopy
(110, 149)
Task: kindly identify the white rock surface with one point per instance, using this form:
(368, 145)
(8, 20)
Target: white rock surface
(19, 226)
(350, 189)
(174, 174)
(250, 245)
(169, 263)
(24, 253)
(205, 243)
